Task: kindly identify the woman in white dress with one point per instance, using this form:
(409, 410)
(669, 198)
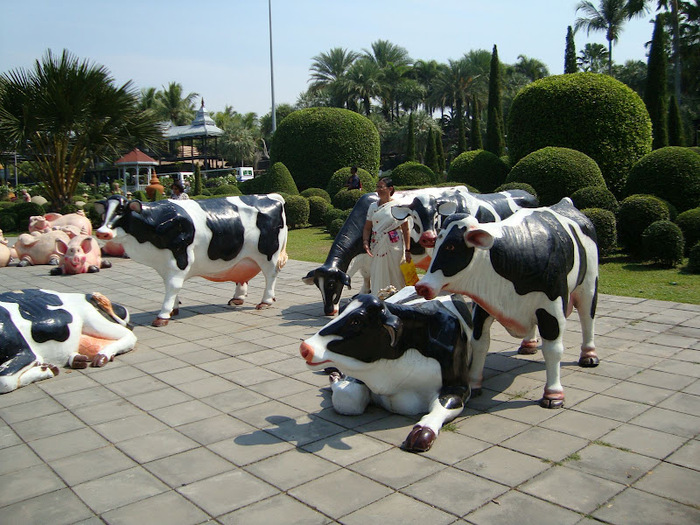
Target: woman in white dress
(389, 243)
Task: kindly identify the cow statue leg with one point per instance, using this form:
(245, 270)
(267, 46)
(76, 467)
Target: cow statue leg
(448, 405)
(529, 344)
(173, 285)
(270, 272)
(350, 396)
(586, 310)
(240, 294)
(23, 370)
(552, 331)
(481, 341)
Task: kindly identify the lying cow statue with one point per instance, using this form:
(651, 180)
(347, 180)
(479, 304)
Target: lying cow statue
(225, 239)
(529, 270)
(42, 330)
(410, 358)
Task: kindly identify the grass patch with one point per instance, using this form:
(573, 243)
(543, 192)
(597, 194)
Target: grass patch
(449, 427)
(619, 275)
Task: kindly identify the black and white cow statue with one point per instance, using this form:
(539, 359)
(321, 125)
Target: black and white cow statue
(225, 239)
(410, 358)
(42, 330)
(529, 270)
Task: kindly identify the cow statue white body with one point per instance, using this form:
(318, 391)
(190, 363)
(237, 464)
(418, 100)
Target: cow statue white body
(52, 221)
(410, 358)
(225, 239)
(529, 270)
(41, 330)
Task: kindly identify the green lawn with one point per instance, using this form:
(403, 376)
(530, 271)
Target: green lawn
(618, 275)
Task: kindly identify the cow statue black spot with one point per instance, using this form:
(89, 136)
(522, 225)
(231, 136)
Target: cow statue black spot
(225, 239)
(529, 270)
(409, 359)
(41, 330)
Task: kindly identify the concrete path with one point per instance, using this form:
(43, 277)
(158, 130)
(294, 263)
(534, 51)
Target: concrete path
(215, 418)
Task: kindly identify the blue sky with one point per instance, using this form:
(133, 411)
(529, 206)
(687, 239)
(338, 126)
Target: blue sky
(220, 48)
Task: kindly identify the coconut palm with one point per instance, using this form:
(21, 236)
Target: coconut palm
(426, 72)
(362, 82)
(394, 64)
(610, 16)
(328, 71)
(63, 113)
(172, 105)
(531, 67)
(592, 58)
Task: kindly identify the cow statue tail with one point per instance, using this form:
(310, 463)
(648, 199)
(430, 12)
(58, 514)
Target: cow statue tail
(283, 258)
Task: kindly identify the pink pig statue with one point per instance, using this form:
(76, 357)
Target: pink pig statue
(80, 255)
(51, 221)
(5, 251)
(39, 248)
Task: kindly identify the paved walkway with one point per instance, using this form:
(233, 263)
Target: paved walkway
(215, 418)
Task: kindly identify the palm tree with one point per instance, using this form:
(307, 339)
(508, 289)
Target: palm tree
(426, 72)
(173, 106)
(394, 64)
(592, 58)
(531, 67)
(147, 99)
(362, 81)
(328, 71)
(64, 113)
(610, 16)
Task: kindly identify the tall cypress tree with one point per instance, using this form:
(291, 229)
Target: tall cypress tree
(675, 124)
(495, 138)
(475, 139)
(570, 53)
(431, 159)
(411, 148)
(461, 134)
(197, 180)
(655, 96)
(440, 153)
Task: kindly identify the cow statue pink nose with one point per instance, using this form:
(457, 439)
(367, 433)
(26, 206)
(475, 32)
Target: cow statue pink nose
(104, 235)
(427, 239)
(424, 291)
(306, 352)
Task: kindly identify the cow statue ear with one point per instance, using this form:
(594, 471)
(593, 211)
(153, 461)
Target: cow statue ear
(446, 208)
(478, 238)
(346, 280)
(394, 326)
(310, 278)
(400, 212)
(135, 206)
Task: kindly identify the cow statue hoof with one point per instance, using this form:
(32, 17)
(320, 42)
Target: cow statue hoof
(420, 439)
(588, 362)
(159, 321)
(236, 302)
(100, 360)
(80, 361)
(174, 312)
(263, 306)
(48, 366)
(551, 403)
(528, 348)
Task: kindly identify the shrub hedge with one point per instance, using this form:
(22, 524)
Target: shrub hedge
(556, 173)
(663, 243)
(689, 223)
(605, 229)
(589, 112)
(316, 142)
(227, 189)
(316, 192)
(516, 186)
(339, 179)
(296, 208)
(636, 213)
(694, 258)
(346, 199)
(481, 169)
(318, 206)
(595, 197)
(671, 173)
(413, 173)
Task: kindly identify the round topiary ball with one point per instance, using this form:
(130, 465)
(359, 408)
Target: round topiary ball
(346, 199)
(636, 213)
(671, 173)
(296, 208)
(24, 210)
(694, 258)
(588, 112)
(595, 197)
(316, 192)
(227, 189)
(335, 226)
(663, 243)
(278, 179)
(316, 142)
(318, 206)
(516, 186)
(412, 173)
(689, 223)
(478, 168)
(332, 214)
(605, 229)
(8, 222)
(340, 178)
(556, 173)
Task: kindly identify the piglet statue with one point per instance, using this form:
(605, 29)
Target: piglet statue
(51, 221)
(5, 251)
(80, 255)
(39, 248)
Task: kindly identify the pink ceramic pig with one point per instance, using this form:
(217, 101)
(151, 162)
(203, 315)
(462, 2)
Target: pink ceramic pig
(51, 221)
(80, 255)
(114, 249)
(39, 248)
(5, 252)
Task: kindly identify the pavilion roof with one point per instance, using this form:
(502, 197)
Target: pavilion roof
(136, 156)
(202, 126)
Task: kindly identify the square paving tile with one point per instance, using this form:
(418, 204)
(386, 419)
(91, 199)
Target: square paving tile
(612, 463)
(68, 444)
(503, 466)
(91, 465)
(348, 447)
(277, 509)
(634, 506)
(129, 427)
(545, 444)
(644, 440)
(671, 481)
(215, 429)
(250, 447)
(57, 508)
(156, 445)
(397, 468)
(169, 508)
(523, 509)
(687, 456)
(290, 469)
(17, 457)
(47, 426)
(176, 469)
(28, 483)
(398, 508)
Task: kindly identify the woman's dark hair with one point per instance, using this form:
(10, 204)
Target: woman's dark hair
(177, 184)
(389, 183)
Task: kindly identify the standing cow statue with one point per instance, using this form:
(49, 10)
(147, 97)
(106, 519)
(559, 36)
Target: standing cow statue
(81, 255)
(410, 358)
(42, 330)
(225, 239)
(528, 270)
(52, 221)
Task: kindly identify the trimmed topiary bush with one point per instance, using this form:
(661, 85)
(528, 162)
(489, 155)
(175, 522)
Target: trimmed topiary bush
(339, 179)
(588, 112)
(332, 214)
(316, 192)
(516, 186)
(556, 173)
(140, 195)
(478, 168)
(605, 229)
(412, 173)
(671, 173)
(8, 221)
(318, 206)
(278, 179)
(694, 258)
(296, 208)
(636, 213)
(346, 199)
(663, 243)
(335, 226)
(24, 210)
(595, 197)
(227, 189)
(315, 142)
(689, 223)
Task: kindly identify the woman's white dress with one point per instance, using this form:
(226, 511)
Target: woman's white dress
(387, 246)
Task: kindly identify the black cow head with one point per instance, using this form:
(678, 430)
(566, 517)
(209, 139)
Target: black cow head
(330, 281)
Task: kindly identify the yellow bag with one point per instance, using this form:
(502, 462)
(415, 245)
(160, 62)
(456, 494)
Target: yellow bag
(409, 273)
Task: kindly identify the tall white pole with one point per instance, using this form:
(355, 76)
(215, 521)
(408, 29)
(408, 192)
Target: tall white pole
(272, 70)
